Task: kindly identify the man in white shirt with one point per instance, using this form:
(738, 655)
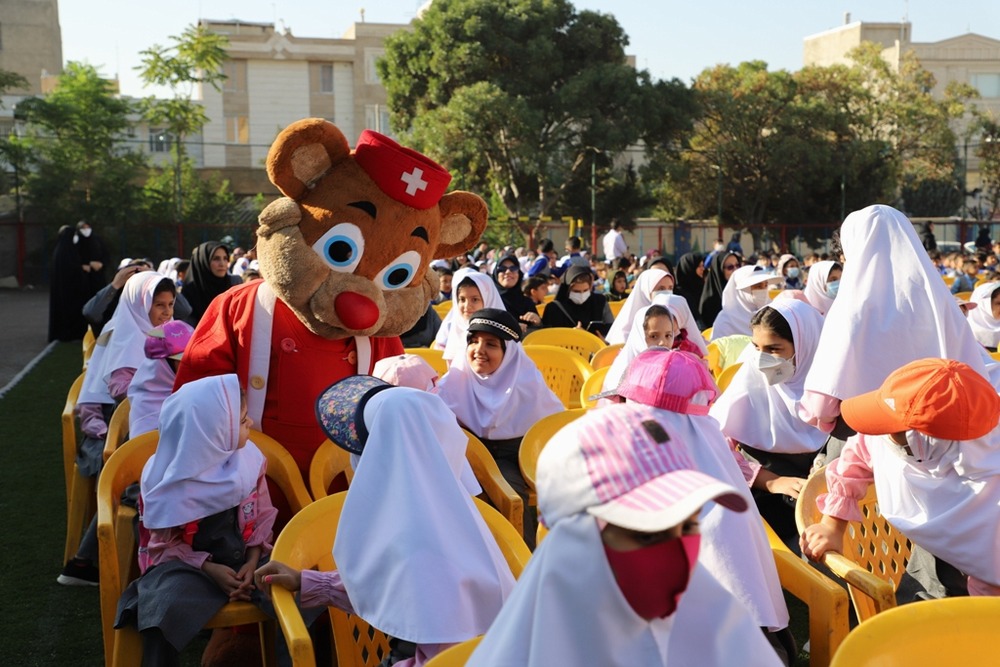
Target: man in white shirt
(614, 243)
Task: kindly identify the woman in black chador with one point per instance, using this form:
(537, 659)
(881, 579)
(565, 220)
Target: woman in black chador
(67, 289)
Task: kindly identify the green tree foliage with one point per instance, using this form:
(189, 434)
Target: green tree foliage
(988, 153)
(517, 96)
(205, 200)
(76, 165)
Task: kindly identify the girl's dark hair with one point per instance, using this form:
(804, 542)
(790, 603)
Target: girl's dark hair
(466, 282)
(534, 282)
(772, 320)
(994, 292)
(442, 271)
(655, 310)
(503, 344)
(165, 285)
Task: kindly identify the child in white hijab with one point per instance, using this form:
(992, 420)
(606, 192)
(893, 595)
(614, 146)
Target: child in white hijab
(205, 518)
(154, 379)
(472, 291)
(985, 317)
(617, 582)
(650, 283)
(415, 558)
(823, 285)
(745, 293)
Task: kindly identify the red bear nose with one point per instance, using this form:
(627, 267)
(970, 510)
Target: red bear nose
(355, 310)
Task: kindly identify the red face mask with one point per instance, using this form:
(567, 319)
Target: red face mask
(653, 578)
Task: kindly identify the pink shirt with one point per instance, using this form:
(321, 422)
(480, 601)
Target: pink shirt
(847, 478)
(819, 409)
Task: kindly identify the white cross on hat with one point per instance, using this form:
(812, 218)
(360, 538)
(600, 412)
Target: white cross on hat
(414, 180)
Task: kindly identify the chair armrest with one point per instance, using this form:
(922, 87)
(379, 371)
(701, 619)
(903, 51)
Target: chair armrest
(293, 627)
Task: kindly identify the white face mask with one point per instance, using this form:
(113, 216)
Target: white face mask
(793, 272)
(775, 369)
(832, 288)
(662, 293)
(760, 298)
(579, 298)
(85, 232)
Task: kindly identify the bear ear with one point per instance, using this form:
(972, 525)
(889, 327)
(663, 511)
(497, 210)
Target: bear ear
(463, 221)
(302, 153)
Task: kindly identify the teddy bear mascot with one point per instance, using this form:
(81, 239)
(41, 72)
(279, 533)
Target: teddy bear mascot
(344, 257)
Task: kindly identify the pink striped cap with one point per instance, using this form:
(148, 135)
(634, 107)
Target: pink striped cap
(623, 465)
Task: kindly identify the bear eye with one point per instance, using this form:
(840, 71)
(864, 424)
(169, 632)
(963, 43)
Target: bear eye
(341, 247)
(400, 271)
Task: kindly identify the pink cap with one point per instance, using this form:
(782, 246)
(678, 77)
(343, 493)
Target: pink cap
(406, 370)
(623, 465)
(667, 379)
(402, 173)
(168, 341)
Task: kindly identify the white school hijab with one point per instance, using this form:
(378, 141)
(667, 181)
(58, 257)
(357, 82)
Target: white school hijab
(635, 343)
(416, 557)
(947, 503)
(502, 405)
(734, 547)
(152, 383)
(121, 342)
(641, 296)
(815, 289)
(199, 469)
(765, 416)
(678, 305)
(567, 609)
(985, 327)
(892, 308)
(738, 305)
(456, 343)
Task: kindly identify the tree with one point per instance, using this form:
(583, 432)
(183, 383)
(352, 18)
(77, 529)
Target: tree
(989, 164)
(517, 96)
(78, 166)
(196, 57)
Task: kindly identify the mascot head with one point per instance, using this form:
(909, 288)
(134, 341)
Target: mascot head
(347, 247)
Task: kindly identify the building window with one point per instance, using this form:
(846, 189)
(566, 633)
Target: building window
(326, 78)
(236, 76)
(237, 130)
(987, 83)
(377, 118)
(159, 141)
(371, 57)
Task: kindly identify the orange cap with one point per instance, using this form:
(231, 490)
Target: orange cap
(941, 398)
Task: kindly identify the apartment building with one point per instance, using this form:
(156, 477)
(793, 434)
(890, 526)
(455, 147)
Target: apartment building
(969, 58)
(275, 78)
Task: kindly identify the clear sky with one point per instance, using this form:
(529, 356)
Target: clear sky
(668, 38)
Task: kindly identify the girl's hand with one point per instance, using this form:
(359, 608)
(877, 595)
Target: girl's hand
(245, 574)
(224, 576)
(531, 319)
(819, 538)
(277, 573)
(789, 486)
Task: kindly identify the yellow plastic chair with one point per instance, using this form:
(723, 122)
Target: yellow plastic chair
(995, 355)
(540, 309)
(328, 462)
(79, 489)
(307, 542)
(948, 280)
(981, 281)
(117, 550)
(456, 656)
(593, 386)
(707, 334)
(606, 356)
(875, 553)
(548, 298)
(827, 601)
(964, 296)
(442, 308)
(578, 341)
(283, 470)
(564, 372)
(499, 491)
(535, 440)
(954, 631)
(727, 376)
(616, 307)
(117, 429)
(773, 292)
(89, 342)
(714, 359)
(433, 357)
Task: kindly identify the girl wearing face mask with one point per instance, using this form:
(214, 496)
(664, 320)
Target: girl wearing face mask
(576, 304)
(650, 284)
(788, 268)
(823, 285)
(758, 411)
(617, 580)
(498, 393)
(745, 294)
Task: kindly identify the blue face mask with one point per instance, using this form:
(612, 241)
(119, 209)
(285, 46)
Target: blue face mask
(832, 288)
(793, 272)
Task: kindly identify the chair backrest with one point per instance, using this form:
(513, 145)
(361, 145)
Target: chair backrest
(69, 430)
(564, 372)
(726, 376)
(875, 553)
(117, 428)
(579, 341)
(592, 386)
(948, 280)
(964, 296)
(707, 334)
(328, 462)
(456, 656)
(995, 355)
(442, 308)
(714, 359)
(548, 298)
(537, 437)
(606, 355)
(89, 343)
(307, 542)
(962, 628)
(433, 357)
(283, 470)
(501, 494)
(773, 292)
(616, 307)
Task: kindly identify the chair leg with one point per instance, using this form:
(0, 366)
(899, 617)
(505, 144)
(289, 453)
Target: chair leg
(267, 631)
(79, 510)
(127, 648)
